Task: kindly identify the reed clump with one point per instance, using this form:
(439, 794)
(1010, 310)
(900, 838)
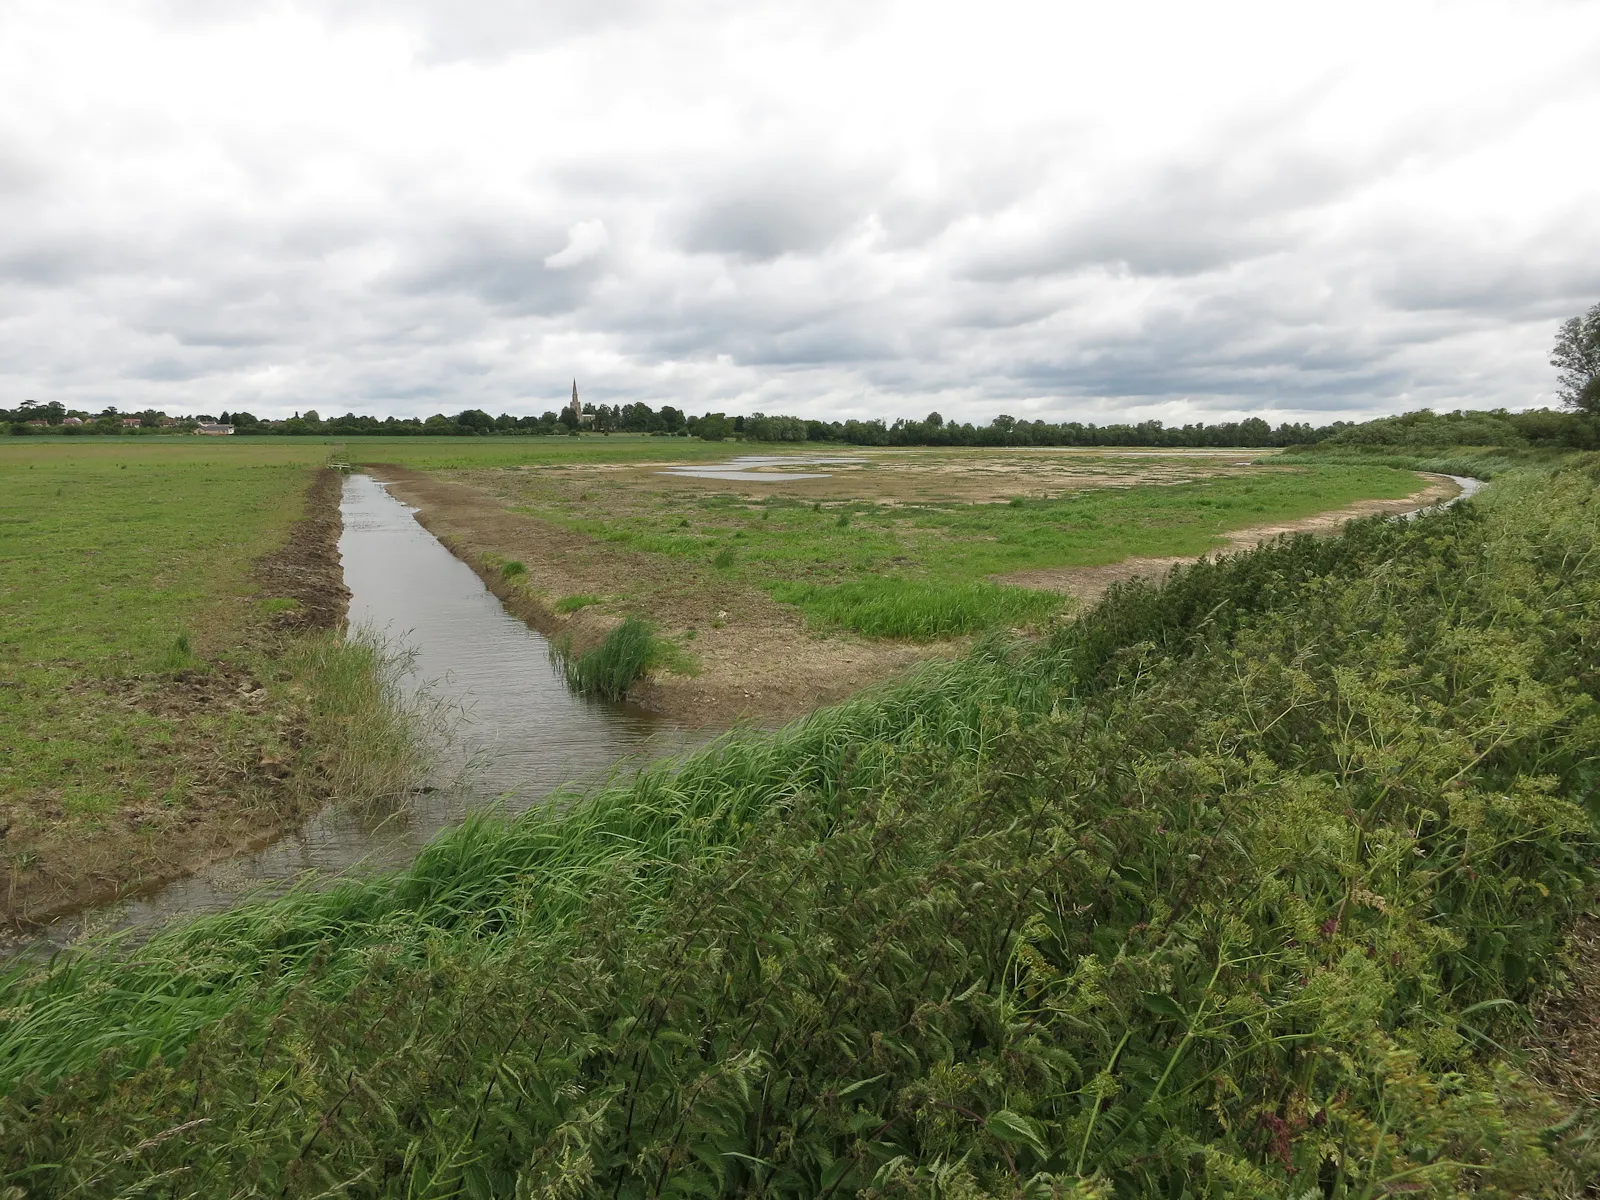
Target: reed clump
(915, 609)
(1237, 886)
(630, 650)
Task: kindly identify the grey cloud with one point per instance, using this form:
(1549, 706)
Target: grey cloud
(757, 264)
(796, 208)
(501, 265)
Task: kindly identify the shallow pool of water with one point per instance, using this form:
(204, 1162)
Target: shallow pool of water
(516, 733)
(754, 468)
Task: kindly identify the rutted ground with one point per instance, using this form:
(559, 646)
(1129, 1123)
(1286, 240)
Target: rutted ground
(601, 540)
(135, 758)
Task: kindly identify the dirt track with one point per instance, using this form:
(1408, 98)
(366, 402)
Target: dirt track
(1088, 584)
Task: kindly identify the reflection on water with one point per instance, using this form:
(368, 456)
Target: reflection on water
(517, 733)
(755, 468)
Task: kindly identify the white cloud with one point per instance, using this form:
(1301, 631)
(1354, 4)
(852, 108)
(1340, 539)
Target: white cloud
(585, 240)
(834, 209)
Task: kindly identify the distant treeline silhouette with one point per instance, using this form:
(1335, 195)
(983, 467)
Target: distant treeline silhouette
(1496, 427)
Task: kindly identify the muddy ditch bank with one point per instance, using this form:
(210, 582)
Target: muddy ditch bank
(236, 798)
(500, 729)
(757, 661)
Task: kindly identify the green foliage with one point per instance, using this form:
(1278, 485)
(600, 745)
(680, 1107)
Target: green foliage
(571, 604)
(1233, 887)
(512, 567)
(628, 651)
(916, 609)
(1576, 358)
(723, 558)
(608, 671)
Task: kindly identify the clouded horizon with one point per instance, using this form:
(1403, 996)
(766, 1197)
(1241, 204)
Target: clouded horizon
(829, 209)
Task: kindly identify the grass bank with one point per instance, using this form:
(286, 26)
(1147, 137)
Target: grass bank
(1237, 886)
(175, 680)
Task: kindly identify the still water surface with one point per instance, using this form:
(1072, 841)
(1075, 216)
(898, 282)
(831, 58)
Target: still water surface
(516, 733)
(757, 468)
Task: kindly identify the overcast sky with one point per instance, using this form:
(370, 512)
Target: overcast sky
(829, 208)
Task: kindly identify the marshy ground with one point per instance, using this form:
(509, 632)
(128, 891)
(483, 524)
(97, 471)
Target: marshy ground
(783, 594)
(177, 687)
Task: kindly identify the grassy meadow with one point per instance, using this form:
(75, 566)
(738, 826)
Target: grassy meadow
(144, 683)
(1238, 885)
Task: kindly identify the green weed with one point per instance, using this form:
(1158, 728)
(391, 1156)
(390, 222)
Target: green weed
(608, 671)
(572, 604)
(723, 558)
(511, 568)
(918, 610)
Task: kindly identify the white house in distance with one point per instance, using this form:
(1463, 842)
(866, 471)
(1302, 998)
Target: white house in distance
(213, 429)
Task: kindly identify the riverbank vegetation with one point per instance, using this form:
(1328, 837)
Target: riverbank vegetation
(175, 679)
(1236, 886)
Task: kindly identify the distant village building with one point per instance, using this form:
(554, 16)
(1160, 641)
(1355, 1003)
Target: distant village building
(213, 429)
(73, 421)
(132, 422)
(579, 417)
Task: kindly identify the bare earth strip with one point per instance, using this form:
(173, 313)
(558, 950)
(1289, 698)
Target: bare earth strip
(761, 665)
(1088, 584)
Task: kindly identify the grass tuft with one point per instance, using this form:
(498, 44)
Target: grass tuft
(571, 604)
(724, 558)
(917, 610)
(608, 671)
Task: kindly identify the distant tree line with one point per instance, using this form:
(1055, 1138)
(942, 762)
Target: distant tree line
(1540, 427)
(1576, 357)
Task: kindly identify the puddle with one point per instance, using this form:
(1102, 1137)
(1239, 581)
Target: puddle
(517, 733)
(756, 468)
(1469, 488)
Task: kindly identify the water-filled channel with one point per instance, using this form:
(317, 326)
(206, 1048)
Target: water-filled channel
(515, 732)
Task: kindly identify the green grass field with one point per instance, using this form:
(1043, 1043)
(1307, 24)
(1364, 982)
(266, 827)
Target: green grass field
(126, 582)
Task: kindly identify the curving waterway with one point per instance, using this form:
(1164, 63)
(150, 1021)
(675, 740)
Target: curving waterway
(515, 732)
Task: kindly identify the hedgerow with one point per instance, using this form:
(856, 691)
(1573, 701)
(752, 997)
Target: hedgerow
(1237, 887)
